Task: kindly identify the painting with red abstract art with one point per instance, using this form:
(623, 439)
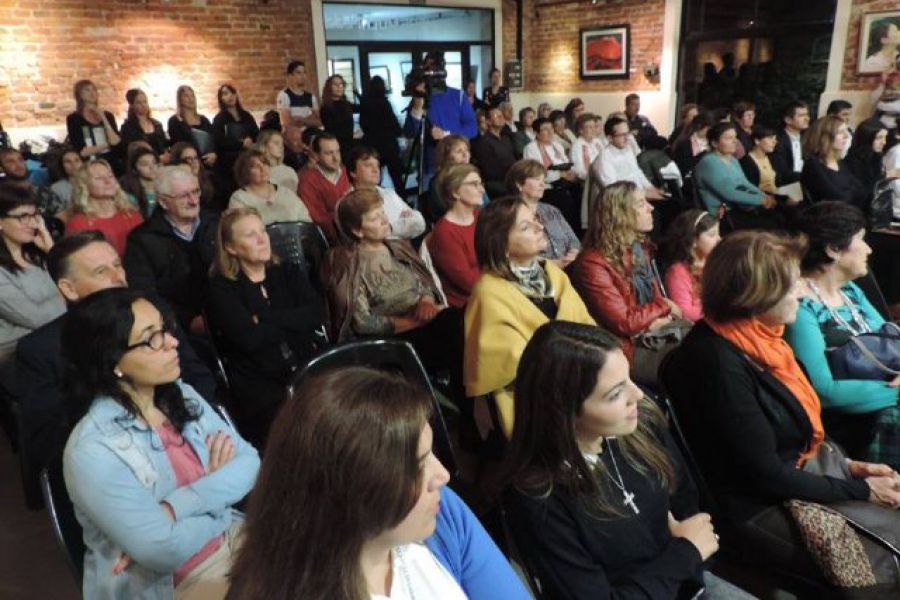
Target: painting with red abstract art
(605, 52)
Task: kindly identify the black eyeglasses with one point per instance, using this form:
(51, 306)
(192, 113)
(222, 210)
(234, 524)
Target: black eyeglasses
(23, 218)
(155, 342)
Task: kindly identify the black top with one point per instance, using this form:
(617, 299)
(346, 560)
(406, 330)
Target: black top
(751, 170)
(822, 183)
(746, 139)
(745, 429)
(158, 260)
(82, 132)
(180, 131)
(493, 155)
(379, 124)
(866, 166)
(644, 130)
(337, 119)
(256, 320)
(579, 556)
(683, 155)
(132, 132)
(491, 99)
(230, 133)
(782, 159)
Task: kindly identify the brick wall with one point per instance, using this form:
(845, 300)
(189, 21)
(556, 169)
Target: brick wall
(47, 45)
(850, 80)
(551, 41)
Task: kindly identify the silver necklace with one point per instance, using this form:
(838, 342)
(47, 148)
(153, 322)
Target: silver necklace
(627, 497)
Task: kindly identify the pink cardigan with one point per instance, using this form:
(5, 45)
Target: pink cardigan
(683, 291)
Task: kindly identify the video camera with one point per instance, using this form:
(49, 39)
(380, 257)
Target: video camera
(431, 73)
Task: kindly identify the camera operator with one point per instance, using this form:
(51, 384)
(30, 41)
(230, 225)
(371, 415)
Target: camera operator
(448, 110)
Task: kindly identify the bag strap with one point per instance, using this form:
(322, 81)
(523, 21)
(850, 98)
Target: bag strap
(864, 350)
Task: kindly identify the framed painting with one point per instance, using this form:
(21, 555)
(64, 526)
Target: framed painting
(605, 52)
(879, 42)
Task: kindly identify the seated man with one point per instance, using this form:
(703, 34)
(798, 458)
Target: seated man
(171, 252)
(638, 124)
(80, 264)
(15, 172)
(618, 162)
(787, 158)
(494, 153)
(323, 182)
(296, 151)
(365, 171)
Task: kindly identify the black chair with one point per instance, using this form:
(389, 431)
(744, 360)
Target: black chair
(66, 529)
(869, 285)
(388, 355)
(299, 243)
(515, 555)
(215, 342)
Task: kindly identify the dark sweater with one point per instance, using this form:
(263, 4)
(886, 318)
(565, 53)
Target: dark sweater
(745, 429)
(823, 183)
(494, 155)
(578, 556)
(132, 132)
(181, 131)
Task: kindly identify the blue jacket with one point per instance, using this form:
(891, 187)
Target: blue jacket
(450, 111)
(462, 545)
(117, 473)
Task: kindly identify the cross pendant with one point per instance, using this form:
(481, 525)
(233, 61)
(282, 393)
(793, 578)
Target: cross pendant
(629, 501)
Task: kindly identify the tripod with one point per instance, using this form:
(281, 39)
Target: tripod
(417, 152)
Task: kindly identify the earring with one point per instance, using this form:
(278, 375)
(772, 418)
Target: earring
(118, 374)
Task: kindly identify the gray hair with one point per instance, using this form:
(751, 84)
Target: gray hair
(166, 176)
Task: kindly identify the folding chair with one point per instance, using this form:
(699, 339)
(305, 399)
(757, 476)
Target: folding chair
(66, 529)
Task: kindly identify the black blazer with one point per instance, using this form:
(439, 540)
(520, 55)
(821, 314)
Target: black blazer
(783, 159)
(683, 155)
(751, 170)
(745, 428)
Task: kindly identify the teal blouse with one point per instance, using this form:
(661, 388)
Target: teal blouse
(855, 396)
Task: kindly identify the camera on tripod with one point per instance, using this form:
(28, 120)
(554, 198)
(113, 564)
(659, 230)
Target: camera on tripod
(422, 79)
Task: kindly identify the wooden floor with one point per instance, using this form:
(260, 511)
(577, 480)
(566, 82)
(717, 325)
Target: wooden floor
(31, 566)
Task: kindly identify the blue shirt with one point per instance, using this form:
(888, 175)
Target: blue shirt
(462, 545)
(117, 472)
(723, 182)
(450, 111)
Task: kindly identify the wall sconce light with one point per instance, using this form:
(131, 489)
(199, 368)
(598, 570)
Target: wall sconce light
(651, 70)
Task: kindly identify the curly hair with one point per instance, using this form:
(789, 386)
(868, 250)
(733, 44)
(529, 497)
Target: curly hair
(613, 223)
(81, 196)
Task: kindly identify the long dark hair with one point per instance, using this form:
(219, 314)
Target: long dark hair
(863, 138)
(237, 99)
(341, 468)
(557, 372)
(682, 233)
(94, 339)
(11, 198)
(131, 181)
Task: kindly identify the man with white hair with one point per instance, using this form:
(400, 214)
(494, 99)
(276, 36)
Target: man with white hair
(171, 252)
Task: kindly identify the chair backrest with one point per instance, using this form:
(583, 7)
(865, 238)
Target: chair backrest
(299, 243)
(869, 285)
(388, 355)
(215, 345)
(66, 529)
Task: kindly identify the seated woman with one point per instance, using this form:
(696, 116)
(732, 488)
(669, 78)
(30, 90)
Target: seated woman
(526, 179)
(274, 203)
(186, 154)
(752, 418)
(28, 297)
(689, 110)
(451, 243)
(271, 143)
(451, 150)
(91, 130)
(860, 414)
(234, 130)
(140, 126)
(865, 159)
(690, 146)
(723, 187)
(825, 176)
(689, 241)
(597, 496)
(267, 315)
(137, 182)
(756, 163)
(379, 287)
(517, 292)
(65, 171)
(151, 468)
(99, 203)
(391, 527)
(189, 126)
(562, 135)
(616, 277)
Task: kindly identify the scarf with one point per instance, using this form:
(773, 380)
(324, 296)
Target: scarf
(641, 275)
(532, 280)
(765, 345)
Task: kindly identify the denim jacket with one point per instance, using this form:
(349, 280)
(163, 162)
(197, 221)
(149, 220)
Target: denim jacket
(117, 473)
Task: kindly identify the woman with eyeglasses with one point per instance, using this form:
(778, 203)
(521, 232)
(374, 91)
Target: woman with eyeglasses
(28, 297)
(152, 470)
(98, 202)
(517, 292)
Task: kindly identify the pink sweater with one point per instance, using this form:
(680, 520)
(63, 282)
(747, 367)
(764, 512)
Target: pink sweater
(683, 291)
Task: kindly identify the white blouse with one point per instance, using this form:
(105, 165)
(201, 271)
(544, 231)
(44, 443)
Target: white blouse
(416, 574)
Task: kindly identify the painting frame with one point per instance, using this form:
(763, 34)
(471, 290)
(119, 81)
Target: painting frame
(613, 41)
(869, 59)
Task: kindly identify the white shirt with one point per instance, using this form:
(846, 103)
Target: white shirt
(594, 148)
(620, 164)
(402, 226)
(554, 152)
(797, 151)
(417, 575)
(283, 176)
(283, 101)
(632, 143)
(892, 161)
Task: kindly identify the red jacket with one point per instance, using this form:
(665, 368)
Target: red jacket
(610, 298)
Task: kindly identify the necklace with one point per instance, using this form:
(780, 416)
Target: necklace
(627, 497)
(861, 326)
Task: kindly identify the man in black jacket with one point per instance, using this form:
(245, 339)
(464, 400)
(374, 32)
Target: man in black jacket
(80, 264)
(494, 153)
(171, 252)
(787, 159)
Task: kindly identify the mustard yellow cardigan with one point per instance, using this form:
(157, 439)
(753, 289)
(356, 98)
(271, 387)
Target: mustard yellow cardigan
(499, 321)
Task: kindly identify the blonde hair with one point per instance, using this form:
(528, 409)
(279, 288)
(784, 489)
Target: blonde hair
(819, 139)
(226, 264)
(81, 197)
(263, 140)
(613, 223)
(178, 108)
